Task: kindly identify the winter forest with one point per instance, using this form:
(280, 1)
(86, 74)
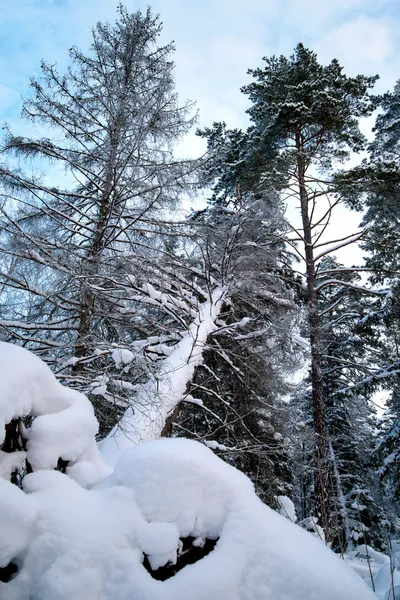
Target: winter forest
(198, 397)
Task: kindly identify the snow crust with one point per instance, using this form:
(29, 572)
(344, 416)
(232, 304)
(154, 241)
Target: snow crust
(89, 543)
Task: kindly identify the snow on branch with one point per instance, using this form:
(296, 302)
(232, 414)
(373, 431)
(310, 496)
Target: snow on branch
(157, 398)
(359, 288)
(389, 371)
(346, 241)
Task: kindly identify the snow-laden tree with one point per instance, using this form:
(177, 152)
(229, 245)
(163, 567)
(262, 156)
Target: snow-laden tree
(101, 279)
(304, 120)
(374, 186)
(349, 348)
(388, 452)
(235, 402)
(381, 179)
(70, 240)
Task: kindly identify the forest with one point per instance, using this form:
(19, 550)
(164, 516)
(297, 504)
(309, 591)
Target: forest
(196, 395)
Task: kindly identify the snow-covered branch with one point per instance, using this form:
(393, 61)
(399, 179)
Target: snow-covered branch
(158, 397)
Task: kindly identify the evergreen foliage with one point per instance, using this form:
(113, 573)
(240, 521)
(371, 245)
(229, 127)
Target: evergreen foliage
(375, 185)
(304, 121)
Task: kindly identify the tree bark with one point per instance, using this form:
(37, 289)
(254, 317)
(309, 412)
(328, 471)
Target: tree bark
(318, 400)
(94, 253)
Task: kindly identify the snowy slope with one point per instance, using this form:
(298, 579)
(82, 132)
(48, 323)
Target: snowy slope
(70, 543)
(77, 543)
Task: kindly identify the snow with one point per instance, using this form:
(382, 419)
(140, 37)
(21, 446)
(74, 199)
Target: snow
(198, 401)
(382, 569)
(158, 397)
(122, 357)
(74, 543)
(286, 508)
(17, 518)
(64, 425)
(214, 445)
(11, 461)
(85, 533)
(343, 242)
(125, 385)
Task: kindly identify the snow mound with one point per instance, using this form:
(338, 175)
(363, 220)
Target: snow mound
(384, 570)
(90, 543)
(64, 425)
(286, 508)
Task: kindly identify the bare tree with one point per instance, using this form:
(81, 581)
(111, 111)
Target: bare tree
(111, 122)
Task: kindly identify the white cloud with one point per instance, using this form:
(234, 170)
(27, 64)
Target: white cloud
(361, 44)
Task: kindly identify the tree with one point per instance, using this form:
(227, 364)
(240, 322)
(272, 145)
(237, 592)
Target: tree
(99, 277)
(375, 185)
(349, 343)
(388, 449)
(111, 122)
(304, 120)
(235, 401)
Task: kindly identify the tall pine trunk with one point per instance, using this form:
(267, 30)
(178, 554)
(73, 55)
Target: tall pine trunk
(318, 400)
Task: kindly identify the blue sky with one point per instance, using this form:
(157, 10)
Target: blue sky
(216, 40)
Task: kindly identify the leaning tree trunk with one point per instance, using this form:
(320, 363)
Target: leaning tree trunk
(156, 400)
(318, 400)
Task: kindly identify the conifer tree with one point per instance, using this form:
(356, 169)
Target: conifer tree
(235, 401)
(348, 343)
(304, 120)
(110, 121)
(375, 186)
(388, 449)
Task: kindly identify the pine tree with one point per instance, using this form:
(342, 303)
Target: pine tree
(380, 178)
(304, 120)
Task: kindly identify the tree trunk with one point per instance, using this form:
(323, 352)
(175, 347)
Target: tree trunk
(318, 401)
(94, 254)
(345, 544)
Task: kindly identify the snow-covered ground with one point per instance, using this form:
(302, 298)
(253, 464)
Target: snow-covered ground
(380, 571)
(84, 534)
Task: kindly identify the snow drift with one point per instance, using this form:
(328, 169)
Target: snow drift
(67, 542)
